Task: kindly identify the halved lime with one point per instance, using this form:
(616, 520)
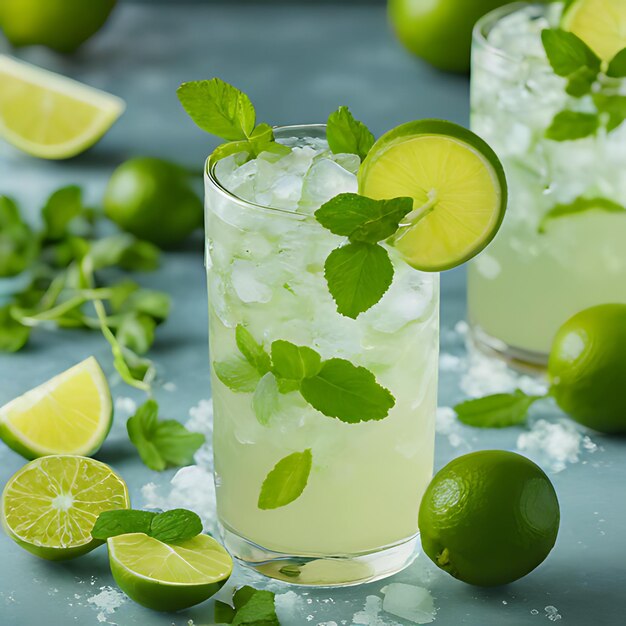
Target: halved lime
(457, 184)
(601, 24)
(51, 116)
(69, 414)
(168, 577)
(49, 506)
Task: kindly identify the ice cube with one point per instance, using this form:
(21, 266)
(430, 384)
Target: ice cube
(247, 280)
(324, 180)
(414, 604)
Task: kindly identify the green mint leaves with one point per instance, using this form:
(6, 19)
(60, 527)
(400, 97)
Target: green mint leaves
(13, 335)
(579, 205)
(500, 410)
(335, 387)
(286, 481)
(161, 443)
(571, 58)
(18, 247)
(168, 527)
(251, 607)
(347, 135)
(225, 111)
(359, 273)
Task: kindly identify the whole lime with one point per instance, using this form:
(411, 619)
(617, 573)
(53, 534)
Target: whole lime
(153, 199)
(439, 31)
(489, 518)
(62, 25)
(587, 368)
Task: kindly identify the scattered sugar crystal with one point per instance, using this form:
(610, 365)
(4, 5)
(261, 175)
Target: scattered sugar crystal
(289, 606)
(534, 612)
(412, 603)
(169, 387)
(125, 405)
(107, 602)
(461, 328)
(201, 421)
(554, 444)
(327, 624)
(552, 613)
(448, 426)
(450, 362)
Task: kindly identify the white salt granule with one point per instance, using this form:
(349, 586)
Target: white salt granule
(125, 405)
(107, 602)
(448, 426)
(552, 613)
(412, 603)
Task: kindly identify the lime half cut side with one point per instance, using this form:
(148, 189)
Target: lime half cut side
(601, 24)
(50, 506)
(457, 184)
(69, 414)
(168, 577)
(51, 116)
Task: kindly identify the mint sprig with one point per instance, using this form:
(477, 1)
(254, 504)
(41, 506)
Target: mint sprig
(347, 135)
(161, 443)
(168, 527)
(500, 410)
(617, 65)
(571, 125)
(578, 206)
(286, 481)
(568, 53)
(359, 273)
(251, 607)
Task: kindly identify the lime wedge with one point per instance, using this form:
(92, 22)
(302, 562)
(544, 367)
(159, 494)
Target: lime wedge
(601, 24)
(457, 184)
(50, 506)
(168, 577)
(51, 116)
(69, 414)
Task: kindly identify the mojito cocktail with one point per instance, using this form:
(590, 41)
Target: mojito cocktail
(562, 247)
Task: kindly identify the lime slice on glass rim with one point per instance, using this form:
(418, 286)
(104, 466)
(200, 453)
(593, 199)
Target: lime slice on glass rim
(601, 24)
(50, 506)
(69, 414)
(51, 116)
(168, 576)
(457, 184)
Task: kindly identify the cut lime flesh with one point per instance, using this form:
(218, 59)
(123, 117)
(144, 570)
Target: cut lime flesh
(601, 24)
(457, 184)
(69, 414)
(49, 507)
(168, 577)
(51, 116)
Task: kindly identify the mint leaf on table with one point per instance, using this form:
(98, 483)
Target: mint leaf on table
(122, 522)
(150, 302)
(253, 351)
(13, 335)
(348, 392)
(358, 275)
(570, 125)
(18, 246)
(613, 107)
(286, 481)
(617, 65)
(175, 525)
(161, 443)
(293, 362)
(361, 218)
(500, 410)
(567, 52)
(347, 135)
(252, 607)
(218, 108)
(61, 208)
(237, 374)
(136, 332)
(579, 205)
(266, 398)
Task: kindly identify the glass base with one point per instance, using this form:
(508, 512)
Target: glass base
(525, 361)
(322, 571)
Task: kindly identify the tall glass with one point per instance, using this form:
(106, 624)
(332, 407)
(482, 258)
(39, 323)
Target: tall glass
(541, 269)
(356, 520)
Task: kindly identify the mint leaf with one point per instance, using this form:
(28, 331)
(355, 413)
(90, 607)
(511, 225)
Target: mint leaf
(13, 335)
(175, 525)
(361, 218)
(224, 613)
(294, 362)
(252, 608)
(61, 208)
(18, 246)
(497, 411)
(358, 275)
(347, 392)
(613, 108)
(161, 443)
(122, 522)
(251, 350)
(140, 256)
(237, 374)
(570, 125)
(579, 205)
(156, 304)
(286, 482)
(347, 135)
(243, 595)
(617, 66)
(218, 108)
(136, 331)
(568, 53)
(581, 82)
(266, 399)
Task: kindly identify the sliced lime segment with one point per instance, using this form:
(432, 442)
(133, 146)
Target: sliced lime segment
(457, 184)
(50, 506)
(601, 24)
(69, 414)
(168, 577)
(51, 116)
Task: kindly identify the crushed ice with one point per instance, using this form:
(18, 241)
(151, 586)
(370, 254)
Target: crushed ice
(107, 602)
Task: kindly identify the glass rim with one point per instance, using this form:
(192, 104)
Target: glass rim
(484, 25)
(209, 175)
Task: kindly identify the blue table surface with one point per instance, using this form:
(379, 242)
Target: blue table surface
(298, 63)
